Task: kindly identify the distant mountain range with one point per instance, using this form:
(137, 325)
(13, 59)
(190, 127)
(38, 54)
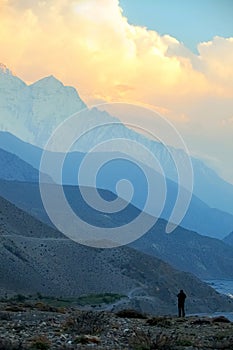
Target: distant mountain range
(13, 168)
(188, 251)
(35, 258)
(199, 217)
(30, 248)
(33, 112)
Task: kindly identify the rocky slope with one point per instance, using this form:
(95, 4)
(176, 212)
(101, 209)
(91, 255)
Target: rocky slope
(24, 327)
(188, 251)
(206, 257)
(35, 259)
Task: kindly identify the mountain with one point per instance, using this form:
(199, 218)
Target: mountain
(14, 221)
(33, 112)
(206, 257)
(199, 216)
(188, 251)
(229, 239)
(41, 261)
(14, 169)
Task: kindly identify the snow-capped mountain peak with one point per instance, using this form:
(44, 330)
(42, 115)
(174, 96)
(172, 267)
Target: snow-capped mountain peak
(33, 112)
(49, 82)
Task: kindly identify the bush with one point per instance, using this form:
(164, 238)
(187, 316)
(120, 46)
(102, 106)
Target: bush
(87, 322)
(130, 313)
(159, 321)
(141, 341)
(40, 342)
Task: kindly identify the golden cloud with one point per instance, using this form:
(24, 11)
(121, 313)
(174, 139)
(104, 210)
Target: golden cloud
(90, 44)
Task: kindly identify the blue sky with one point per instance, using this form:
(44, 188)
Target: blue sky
(189, 21)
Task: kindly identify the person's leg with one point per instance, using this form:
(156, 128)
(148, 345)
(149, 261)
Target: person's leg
(179, 311)
(183, 312)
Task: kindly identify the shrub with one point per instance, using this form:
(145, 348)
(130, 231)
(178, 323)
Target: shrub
(140, 341)
(159, 321)
(40, 342)
(87, 322)
(130, 313)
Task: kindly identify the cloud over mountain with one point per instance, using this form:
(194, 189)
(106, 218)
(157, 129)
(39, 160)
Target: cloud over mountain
(92, 46)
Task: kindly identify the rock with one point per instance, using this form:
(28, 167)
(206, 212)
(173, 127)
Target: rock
(221, 319)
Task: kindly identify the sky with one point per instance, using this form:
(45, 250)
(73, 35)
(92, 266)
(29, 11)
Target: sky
(172, 56)
(189, 21)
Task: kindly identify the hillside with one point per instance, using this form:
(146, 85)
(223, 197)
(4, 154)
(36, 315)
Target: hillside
(13, 168)
(205, 257)
(199, 216)
(229, 239)
(60, 267)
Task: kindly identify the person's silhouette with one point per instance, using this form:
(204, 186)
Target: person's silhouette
(181, 300)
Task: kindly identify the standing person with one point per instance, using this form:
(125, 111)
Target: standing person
(181, 300)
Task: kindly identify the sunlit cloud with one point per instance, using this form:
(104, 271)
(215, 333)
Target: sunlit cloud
(90, 44)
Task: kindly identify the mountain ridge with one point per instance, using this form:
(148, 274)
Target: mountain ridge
(33, 112)
(50, 265)
(206, 257)
(199, 217)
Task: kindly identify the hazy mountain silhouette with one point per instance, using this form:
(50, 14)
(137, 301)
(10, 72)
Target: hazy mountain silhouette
(206, 257)
(15, 169)
(33, 112)
(199, 217)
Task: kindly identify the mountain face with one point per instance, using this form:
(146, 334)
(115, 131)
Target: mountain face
(229, 239)
(32, 112)
(14, 169)
(207, 258)
(188, 251)
(40, 260)
(199, 216)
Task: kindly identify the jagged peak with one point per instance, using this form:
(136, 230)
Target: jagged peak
(49, 81)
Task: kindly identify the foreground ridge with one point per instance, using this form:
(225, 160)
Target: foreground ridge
(38, 325)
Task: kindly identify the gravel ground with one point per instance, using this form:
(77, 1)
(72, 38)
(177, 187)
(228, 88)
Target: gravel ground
(40, 327)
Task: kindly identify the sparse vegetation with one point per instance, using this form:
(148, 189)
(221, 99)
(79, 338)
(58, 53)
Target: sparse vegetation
(128, 313)
(159, 321)
(79, 329)
(141, 341)
(46, 303)
(86, 339)
(184, 342)
(40, 342)
(97, 299)
(88, 322)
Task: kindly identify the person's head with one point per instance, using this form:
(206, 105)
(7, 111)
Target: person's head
(181, 291)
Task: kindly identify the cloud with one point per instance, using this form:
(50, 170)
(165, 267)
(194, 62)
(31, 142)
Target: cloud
(90, 44)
